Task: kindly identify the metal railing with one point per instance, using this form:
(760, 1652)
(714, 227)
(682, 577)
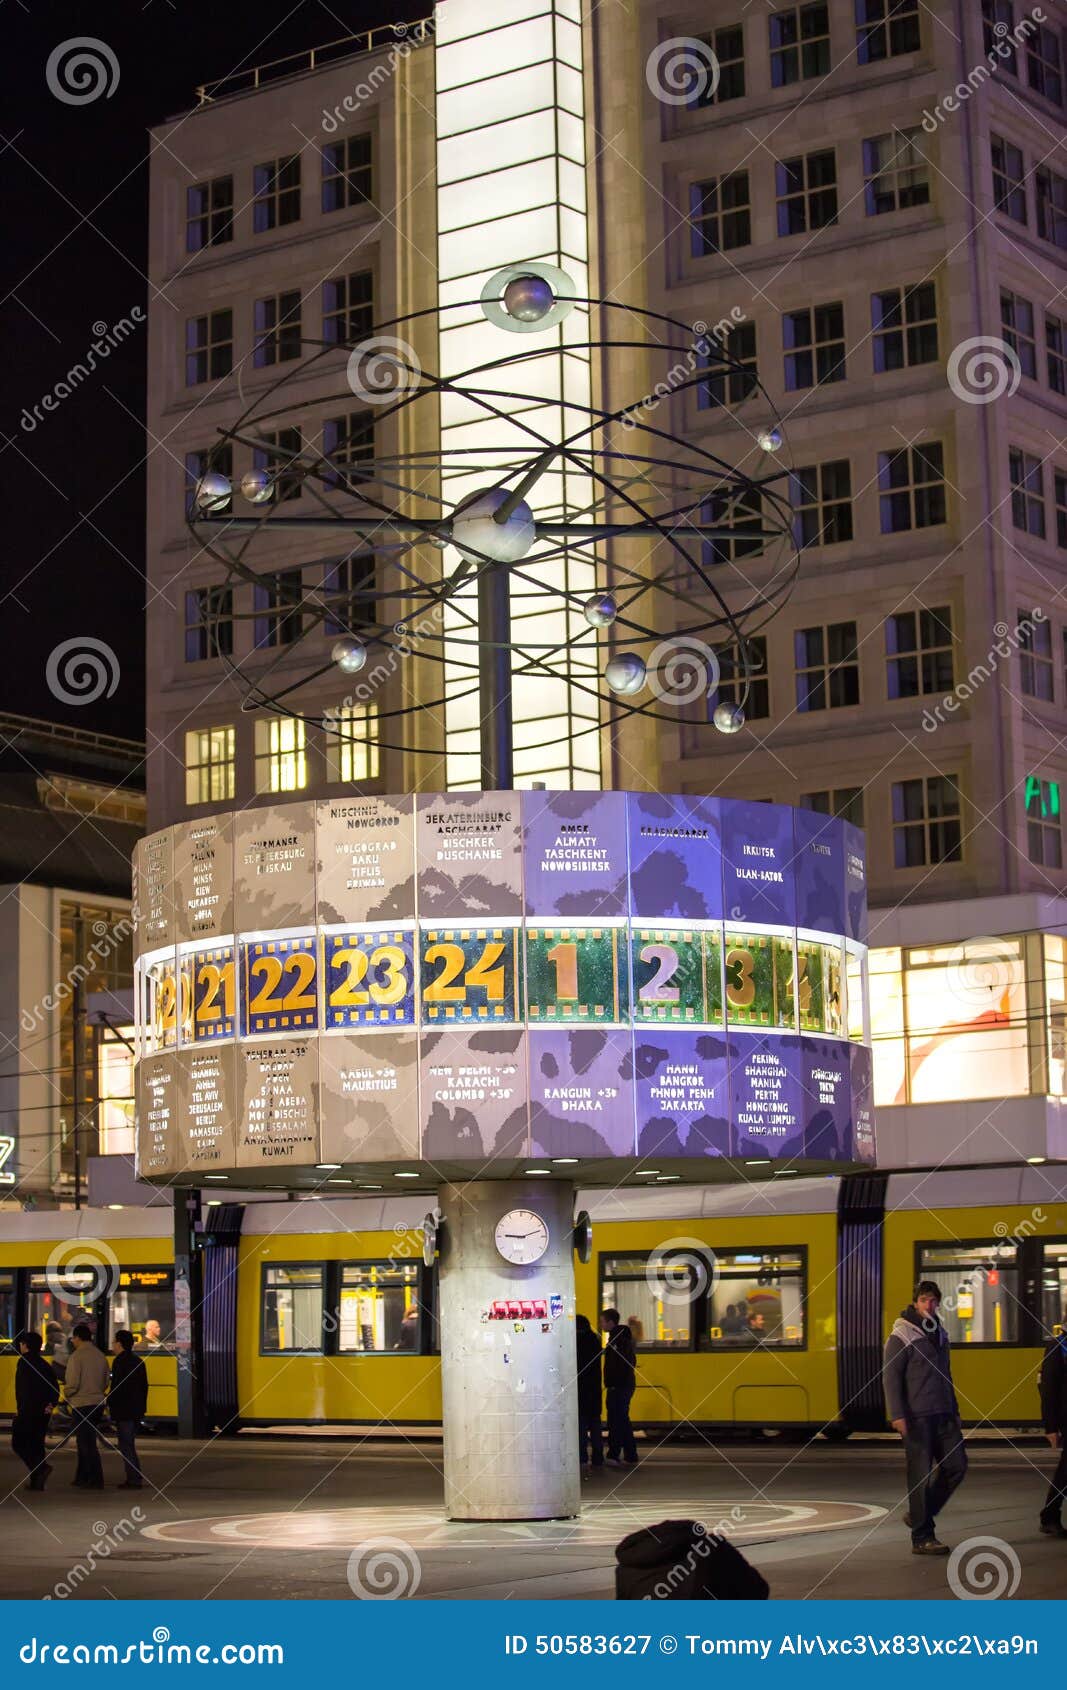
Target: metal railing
(313, 58)
(13, 727)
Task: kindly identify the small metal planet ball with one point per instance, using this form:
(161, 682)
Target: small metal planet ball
(349, 655)
(256, 486)
(213, 491)
(528, 299)
(625, 673)
(728, 718)
(770, 440)
(600, 610)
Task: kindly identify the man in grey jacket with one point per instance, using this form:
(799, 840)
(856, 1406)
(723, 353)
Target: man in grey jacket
(921, 1405)
(85, 1388)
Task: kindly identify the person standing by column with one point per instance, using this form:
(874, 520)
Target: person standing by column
(126, 1403)
(1054, 1419)
(590, 1396)
(922, 1407)
(36, 1394)
(620, 1380)
(85, 1388)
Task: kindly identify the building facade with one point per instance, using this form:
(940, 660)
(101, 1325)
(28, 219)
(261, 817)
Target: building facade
(870, 202)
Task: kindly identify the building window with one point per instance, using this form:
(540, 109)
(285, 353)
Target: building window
(999, 45)
(352, 743)
(1044, 844)
(197, 464)
(1017, 322)
(346, 173)
(1027, 492)
(979, 1284)
(729, 386)
(277, 329)
(277, 599)
(731, 684)
(348, 442)
(904, 324)
(279, 456)
(720, 214)
(728, 47)
(379, 1308)
(1056, 352)
(281, 755)
(886, 28)
(827, 667)
(1059, 482)
(1009, 179)
(918, 646)
(276, 193)
(814, 341)
(348, 308)
(1052, 207)
(208, 623)
(208, 347)
(896, 176)
(845, 802)
(911, 483)
(1044, 64)
(741, 518)
(757, 1297)
(209, 213)
(291, 1310)
(210, 765)
(348, 588)
(800, 44)
(806, 191)
(926, 822)
(1033, 634)
(821, 496)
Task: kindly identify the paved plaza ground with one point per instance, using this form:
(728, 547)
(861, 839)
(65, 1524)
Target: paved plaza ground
(318, 1517)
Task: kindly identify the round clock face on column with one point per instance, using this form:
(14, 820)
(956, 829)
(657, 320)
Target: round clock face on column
(521, 1237)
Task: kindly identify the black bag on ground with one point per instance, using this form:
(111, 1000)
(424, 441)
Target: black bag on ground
(679, 1561)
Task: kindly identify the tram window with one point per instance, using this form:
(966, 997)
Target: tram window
(979, 1290)
(1054, 1289)
(292, 1311)
(7, 1310)
(757, 1298)
(58, 1302)
(655, 1295)
(143, 1304)
(379, 1308)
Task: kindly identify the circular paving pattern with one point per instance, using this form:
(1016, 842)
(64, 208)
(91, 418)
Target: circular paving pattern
(427, 1528)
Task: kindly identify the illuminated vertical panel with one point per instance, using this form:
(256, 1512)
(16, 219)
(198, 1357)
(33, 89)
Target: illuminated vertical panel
(511, 187)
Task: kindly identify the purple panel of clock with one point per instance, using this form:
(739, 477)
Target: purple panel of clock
(826, 1098)
(855, 870)
(683, 1093)
(675, 857)
(765, 1095)
(819, 870)
(581, 1091)
(574, 854)
(757, 863)
(863, 1134)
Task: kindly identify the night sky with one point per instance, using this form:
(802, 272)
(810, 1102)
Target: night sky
(75, 180)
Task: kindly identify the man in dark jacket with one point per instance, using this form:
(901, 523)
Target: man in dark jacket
(620, 1380)
(678, 1561)
(590, 1396)
(1054, 1418)
(36, 1394)
(127, 1400)
(921, 1405)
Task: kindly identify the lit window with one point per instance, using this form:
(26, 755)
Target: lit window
(277, 329)
(919, 652)
(911, 483)
(291, 1310)
(737, 379)
(720, 214)
(216, 458)
(1056, 351)
(1000, 13)
(348, 308)
(757, 1298)
(281, 758)
(346, 173)
(209, 214)
(143, 1303)
(821, 496)
(806, 190)
(927, 827)
(276, 188)
(800, 44)
(1009, 179)
(8, 1305)
(208, 623)
(1044, 844)
(1052, 207)
(896, 176)
(904, 324)
(279, 456)
(827, 667)
(348, 588)
(1033, 634)
(1017, 323)
(728, 47)
(731, 684)
(208, 347)
(1044, 64)
(656, 1296)
(352, 743)
(277, 599)
(210, 765)
(115, 1091)
(814, 341)
(979, 1286)
(886, 28)
(845, 802)
(1027, 492)
(379, 1309)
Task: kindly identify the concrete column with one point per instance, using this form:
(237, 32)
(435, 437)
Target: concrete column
(509, 1401)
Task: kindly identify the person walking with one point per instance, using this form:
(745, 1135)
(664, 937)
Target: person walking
(126, 1403)
(590, 1396)
(1054, 1419)
(620, 1380)
(36, 1394)
(85, 1388)
(921, 1405)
